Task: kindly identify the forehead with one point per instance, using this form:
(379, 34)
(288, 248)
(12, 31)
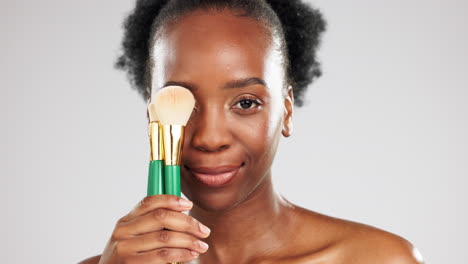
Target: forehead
(214, 44)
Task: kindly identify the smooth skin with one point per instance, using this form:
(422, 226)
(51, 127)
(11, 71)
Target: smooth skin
(244, 105)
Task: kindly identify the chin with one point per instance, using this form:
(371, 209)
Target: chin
(214, 201)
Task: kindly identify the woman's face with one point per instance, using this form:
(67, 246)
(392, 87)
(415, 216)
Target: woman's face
(235, 72)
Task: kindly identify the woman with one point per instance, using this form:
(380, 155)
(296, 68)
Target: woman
(246, 62)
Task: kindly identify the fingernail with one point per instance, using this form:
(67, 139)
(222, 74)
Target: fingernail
(185, 203)
(195, 254)
(203, 245)
(204, 229)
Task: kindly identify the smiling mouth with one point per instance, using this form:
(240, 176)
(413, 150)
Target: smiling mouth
(215, 176)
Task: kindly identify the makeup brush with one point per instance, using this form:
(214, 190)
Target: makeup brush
(174, 106)
(156, 164)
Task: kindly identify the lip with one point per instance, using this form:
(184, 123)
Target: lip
(215, 176)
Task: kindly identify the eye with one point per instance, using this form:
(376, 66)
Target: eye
(247, 105)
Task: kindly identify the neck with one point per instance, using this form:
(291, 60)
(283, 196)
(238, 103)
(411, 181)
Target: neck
(260, 220)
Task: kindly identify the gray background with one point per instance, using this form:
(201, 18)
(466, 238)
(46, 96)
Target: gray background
(382, 139)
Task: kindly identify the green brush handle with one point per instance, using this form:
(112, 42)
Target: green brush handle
(156, 173)
(172, 180)
(155, 177)
(172, 184)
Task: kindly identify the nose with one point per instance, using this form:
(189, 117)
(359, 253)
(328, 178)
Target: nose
(210, 130)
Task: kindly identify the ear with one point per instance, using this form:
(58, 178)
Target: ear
(288, 113)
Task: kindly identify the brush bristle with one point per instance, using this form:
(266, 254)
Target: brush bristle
(153, 116)
(174, 105)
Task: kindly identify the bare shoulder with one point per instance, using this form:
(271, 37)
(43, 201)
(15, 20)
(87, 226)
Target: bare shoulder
(373, 245)
(91, 260)
(351, 242)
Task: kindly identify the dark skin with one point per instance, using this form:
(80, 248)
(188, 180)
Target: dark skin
(238, 125)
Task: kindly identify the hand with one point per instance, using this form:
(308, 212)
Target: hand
(156, 231)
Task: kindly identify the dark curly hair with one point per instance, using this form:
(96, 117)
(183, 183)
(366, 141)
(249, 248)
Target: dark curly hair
(300, 27)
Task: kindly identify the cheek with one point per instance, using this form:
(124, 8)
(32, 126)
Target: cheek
(257, 133)
(252, 133)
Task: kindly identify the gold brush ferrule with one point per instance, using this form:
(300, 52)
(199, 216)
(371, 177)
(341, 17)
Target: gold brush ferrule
(156, 144)
(173, 136)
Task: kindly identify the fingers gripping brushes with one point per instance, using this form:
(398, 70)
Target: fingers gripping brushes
(169, 112)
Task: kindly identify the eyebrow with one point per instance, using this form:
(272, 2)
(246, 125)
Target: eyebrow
(240, 83)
